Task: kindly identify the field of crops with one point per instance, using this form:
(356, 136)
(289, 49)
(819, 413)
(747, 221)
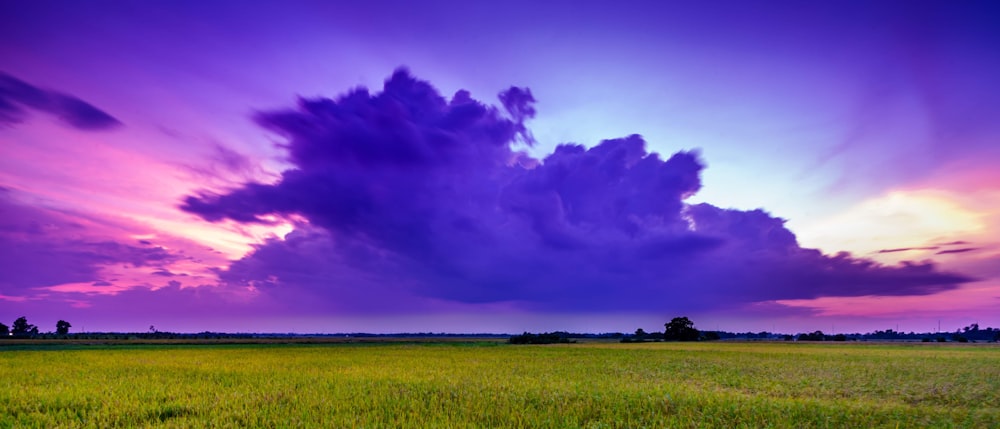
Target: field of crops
(454, 385)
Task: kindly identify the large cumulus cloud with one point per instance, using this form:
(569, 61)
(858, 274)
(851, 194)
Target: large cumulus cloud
(407, 194)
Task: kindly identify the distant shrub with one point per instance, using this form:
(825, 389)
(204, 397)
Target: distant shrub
(814, 336)
(544, 338)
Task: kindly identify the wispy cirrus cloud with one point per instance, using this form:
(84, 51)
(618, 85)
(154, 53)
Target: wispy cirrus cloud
(17, 95)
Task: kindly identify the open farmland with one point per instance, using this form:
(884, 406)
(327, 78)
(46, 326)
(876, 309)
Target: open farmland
(485, 384)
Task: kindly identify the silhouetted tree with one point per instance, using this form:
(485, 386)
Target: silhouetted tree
(4, 331)
(62, 327)
(22, 328)
(710, 336)
(680, 329)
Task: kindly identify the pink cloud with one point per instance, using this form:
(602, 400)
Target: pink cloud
(974, 298)
(61, 251)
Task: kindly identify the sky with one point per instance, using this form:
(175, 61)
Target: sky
(499, 166)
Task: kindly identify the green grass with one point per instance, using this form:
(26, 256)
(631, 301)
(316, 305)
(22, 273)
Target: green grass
(589, 385)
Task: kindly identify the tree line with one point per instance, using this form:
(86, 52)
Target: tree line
(677, 329)
(22, 329)
(681, 330)
(971, 333)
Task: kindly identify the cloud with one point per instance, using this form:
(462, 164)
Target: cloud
(955, 243)
(225, 167)
(405, 199)
(907, 249)
(47, 250)
(41, 250)
(962, 250)
(16, 95)
(171, 307)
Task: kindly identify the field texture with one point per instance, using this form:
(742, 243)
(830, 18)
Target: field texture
(457, 385)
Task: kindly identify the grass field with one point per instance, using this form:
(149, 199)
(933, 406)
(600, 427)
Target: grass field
(485, 384)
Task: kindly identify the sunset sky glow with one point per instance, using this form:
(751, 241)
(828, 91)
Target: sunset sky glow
(499, 167)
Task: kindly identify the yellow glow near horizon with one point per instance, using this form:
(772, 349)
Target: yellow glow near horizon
(232, 239)
(899, 219)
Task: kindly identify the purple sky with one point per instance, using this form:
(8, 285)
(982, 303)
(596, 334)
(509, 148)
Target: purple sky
(475, 167)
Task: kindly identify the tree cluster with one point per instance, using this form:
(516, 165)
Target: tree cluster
(22, 329)
(543, 338)
(813, 336)
(971, 333)
(678, 329)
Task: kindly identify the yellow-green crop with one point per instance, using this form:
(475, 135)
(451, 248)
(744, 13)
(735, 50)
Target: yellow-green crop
(590, 385)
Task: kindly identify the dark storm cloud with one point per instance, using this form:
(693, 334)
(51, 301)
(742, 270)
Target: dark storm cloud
(16, 95)
(408, 194)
